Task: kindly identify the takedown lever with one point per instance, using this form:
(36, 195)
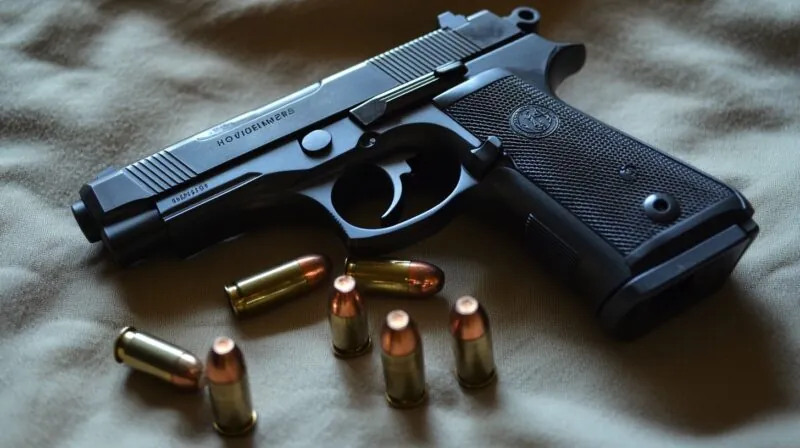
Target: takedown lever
(412, 92)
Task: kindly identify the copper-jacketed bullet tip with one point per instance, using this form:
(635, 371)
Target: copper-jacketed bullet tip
(222, 346)
(424, 279)
(398, 320)
(344, 284)
(315, 268)
(399, 336)
(225, 361)
(346, 301)
(468, 320)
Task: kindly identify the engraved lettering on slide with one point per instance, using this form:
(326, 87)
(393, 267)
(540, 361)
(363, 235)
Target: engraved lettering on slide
(262, 123)
(189, 193)
(534, 121)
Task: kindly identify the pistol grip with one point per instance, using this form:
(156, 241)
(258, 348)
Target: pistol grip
(606, 207)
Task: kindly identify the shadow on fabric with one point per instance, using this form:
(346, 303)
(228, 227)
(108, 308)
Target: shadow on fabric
(155, 395)
(193, 405)
(710, 369)
(173, 288)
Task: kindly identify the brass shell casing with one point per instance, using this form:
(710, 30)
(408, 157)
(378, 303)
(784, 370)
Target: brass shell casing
(269, 289)
(154, 356)
(232, 408)
(403, 361)
(350, 336)
(404, 278)
(475, 366)
(405, 379)
(472, 343)
(229, 389)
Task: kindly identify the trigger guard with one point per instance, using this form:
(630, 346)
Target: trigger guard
(365, 241)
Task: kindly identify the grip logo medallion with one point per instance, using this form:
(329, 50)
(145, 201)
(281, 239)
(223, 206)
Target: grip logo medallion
(534, 121)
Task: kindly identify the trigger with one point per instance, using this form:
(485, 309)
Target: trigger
(395, 170)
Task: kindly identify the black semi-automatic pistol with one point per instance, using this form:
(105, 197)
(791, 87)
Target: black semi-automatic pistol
(467, 112)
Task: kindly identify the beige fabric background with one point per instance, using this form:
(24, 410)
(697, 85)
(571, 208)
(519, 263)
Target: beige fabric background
(90, 83)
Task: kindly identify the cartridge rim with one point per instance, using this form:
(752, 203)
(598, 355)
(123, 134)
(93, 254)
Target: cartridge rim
(233, 297)
(407, 404)
(238, 431)
(118, 341)
(344, 354)
(467, 385)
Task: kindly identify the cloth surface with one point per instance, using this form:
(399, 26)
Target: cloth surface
(87, 84)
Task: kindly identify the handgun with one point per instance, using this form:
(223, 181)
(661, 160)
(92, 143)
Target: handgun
(467, 111)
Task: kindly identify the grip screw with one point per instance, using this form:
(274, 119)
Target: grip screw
(661, 207)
